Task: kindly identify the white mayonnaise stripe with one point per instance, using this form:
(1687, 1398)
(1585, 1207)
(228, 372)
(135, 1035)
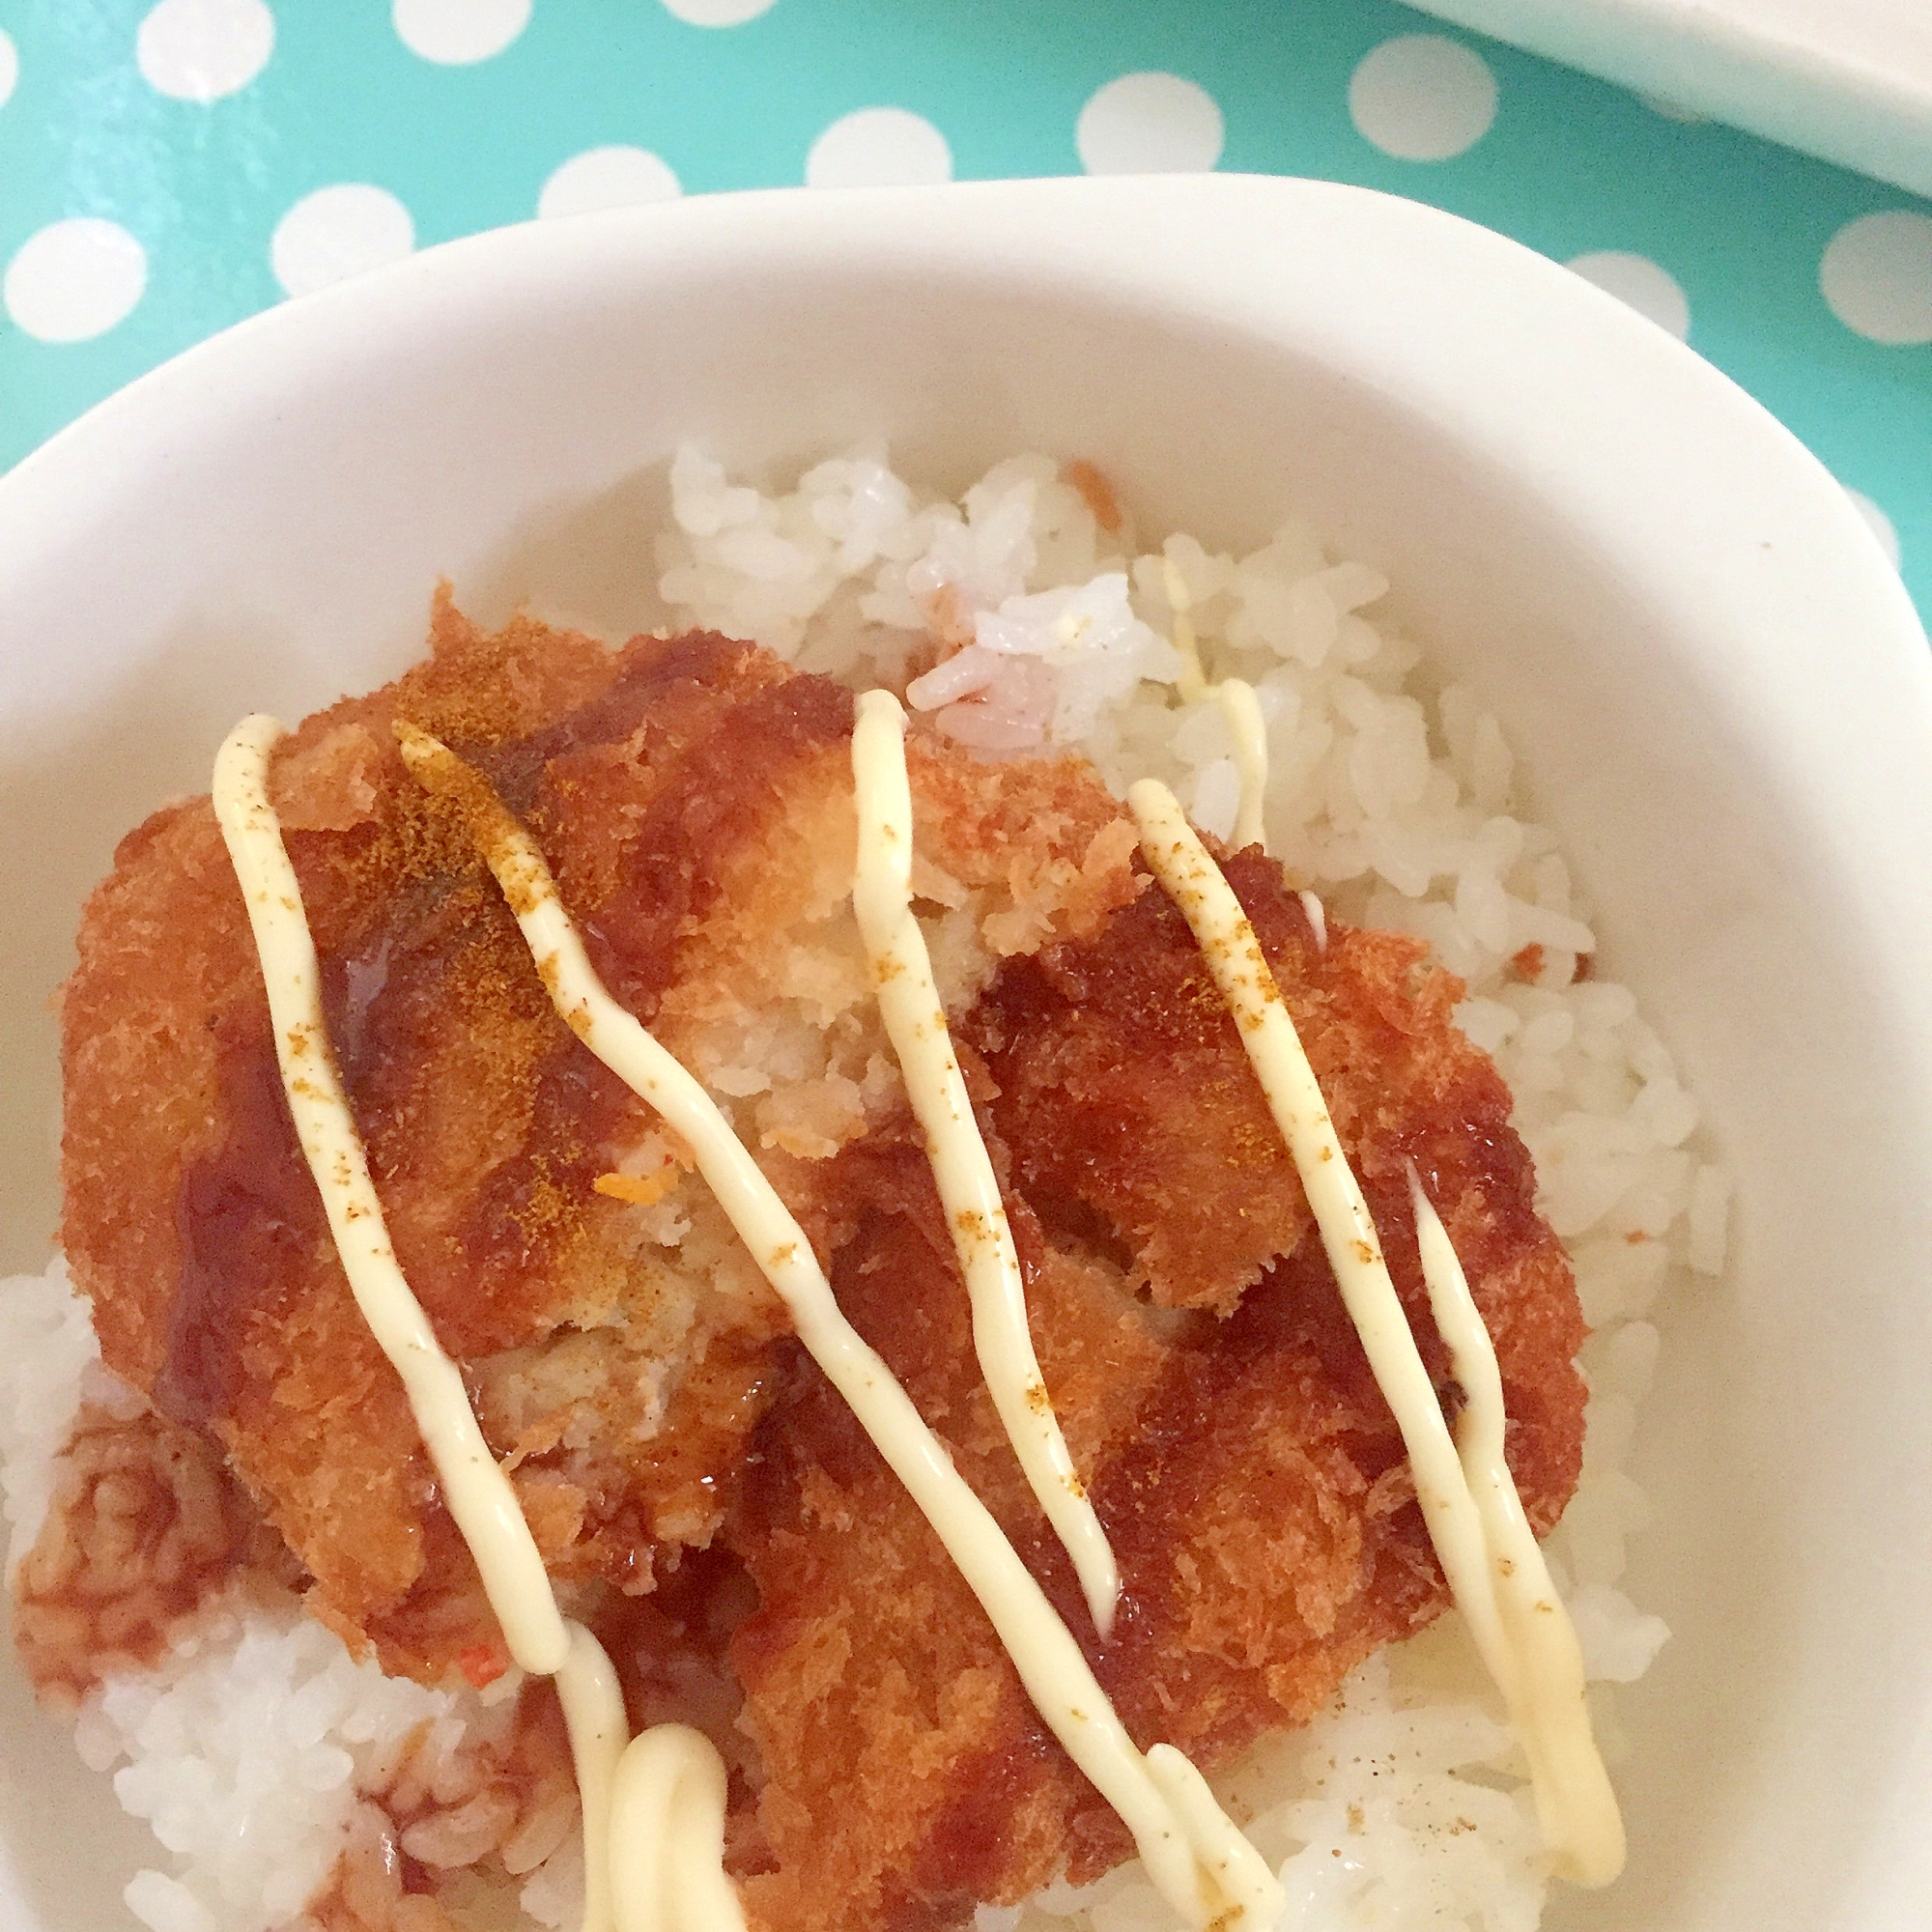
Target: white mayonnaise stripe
(1192, 683)
(1576, 1805)
(1242, 710)
(1234, 955)
(668, 1820)
(600, 1729)
(1318, 918)
(478, 1493)
(1239, 706)
(961, 1167)
(1218, 1877)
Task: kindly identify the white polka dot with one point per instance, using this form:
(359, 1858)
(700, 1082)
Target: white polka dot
(338, 232)
(1636, 281)
(717, 12)
(607, 178)
(75, 279)
(1421, 97)
(201, 49)
(1149, 124)
(457, 33)
(1881, 524)
(9, 69)
(1876, 275)
(878, 147)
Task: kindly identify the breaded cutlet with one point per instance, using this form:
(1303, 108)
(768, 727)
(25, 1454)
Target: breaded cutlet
(669, 1440)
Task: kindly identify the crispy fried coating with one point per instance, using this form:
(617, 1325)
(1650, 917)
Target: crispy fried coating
(698, 1489)
(1245, 1465)
(693, 800)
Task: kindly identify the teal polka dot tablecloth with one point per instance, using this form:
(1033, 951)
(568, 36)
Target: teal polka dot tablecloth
(166, 169)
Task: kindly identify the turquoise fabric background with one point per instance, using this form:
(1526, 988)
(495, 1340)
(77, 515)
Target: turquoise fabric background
(1570, 165)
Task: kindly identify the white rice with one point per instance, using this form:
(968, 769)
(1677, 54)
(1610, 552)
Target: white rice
(253, 1747)
(48, 1356)
(249, 1750)
(245, 1751)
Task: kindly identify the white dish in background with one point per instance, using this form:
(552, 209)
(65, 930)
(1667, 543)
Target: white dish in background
(1695, 640)
(1848, 80)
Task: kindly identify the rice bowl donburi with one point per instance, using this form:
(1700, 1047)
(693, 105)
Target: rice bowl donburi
(690, 1483)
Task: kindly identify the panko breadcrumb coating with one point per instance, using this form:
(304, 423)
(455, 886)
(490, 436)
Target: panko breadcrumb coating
(700, 1494)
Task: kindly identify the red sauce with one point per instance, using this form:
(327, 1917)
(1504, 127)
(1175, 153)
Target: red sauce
(249, 1221)
(146, 1525)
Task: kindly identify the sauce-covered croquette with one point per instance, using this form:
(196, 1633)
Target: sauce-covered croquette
(701, 1498)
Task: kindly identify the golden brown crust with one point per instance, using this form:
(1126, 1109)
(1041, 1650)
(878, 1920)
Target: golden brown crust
(190, 1221)
(693, 800)
(1247, 1469)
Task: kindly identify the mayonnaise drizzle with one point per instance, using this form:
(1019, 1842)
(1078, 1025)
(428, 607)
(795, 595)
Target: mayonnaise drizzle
(600, 1731)
(1504, 1600)
(1318, 918)
(1239, 706)
(1541, 1673)
(961, 1167)
(1194, 1855)
(476, 1490)
(668, 1864)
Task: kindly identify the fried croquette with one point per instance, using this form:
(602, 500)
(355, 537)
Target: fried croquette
(699, 1494)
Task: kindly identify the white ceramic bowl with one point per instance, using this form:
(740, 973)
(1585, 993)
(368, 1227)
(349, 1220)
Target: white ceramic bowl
(1718, 681)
